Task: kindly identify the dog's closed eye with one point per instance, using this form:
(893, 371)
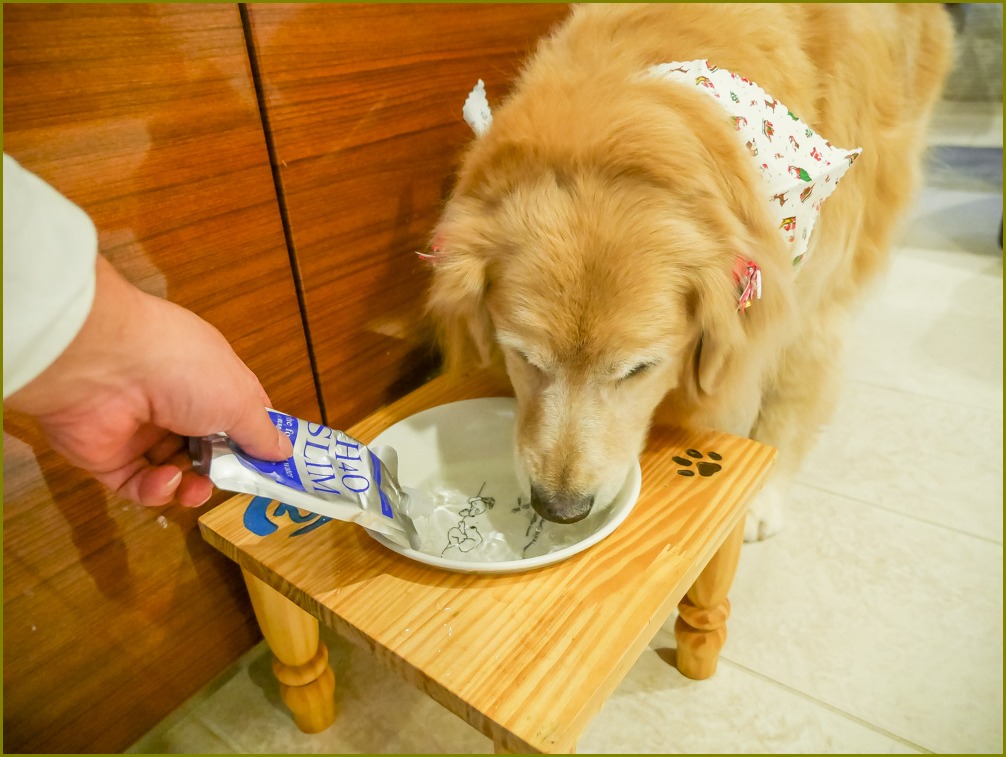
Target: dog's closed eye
(531, 362)
(636, 370)
(528, 359)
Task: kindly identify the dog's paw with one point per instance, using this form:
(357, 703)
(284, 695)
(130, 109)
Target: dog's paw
(765, 514)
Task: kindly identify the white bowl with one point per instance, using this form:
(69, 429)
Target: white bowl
(471, 514)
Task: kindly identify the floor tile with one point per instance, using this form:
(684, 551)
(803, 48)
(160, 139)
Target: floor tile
(976, 169)
(955, 220)
(378, 713)
(934, 328)
(968, 124)
(893, 621)
(656, 710)
(921, 281)
(189, 736)
(926, 458)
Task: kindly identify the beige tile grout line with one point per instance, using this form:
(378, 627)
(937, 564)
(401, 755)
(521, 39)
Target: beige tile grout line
(220, 733)
(966, 124)
(910, 516)
(830, 707)
(936, 398)
(193, 703)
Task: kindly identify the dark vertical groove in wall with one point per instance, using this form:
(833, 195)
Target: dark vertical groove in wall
(281, 197)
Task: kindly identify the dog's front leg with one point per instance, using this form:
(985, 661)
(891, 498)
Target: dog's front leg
(741, 416)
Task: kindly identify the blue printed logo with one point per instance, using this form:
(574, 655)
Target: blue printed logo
(385, 503)
(259, 520)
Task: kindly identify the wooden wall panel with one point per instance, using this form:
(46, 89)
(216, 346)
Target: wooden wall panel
(147, 117)
(364, 109)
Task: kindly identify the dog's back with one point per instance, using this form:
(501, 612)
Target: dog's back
(862, 75)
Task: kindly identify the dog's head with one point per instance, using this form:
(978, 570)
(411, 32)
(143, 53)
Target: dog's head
(595, 260)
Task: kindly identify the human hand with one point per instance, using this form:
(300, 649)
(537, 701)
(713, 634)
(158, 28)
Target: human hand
(140, 376)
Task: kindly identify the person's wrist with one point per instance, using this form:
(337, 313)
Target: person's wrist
(103, 357)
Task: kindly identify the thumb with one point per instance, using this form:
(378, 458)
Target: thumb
(256, 435)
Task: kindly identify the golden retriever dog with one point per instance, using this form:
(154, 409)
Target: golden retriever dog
(590, 244)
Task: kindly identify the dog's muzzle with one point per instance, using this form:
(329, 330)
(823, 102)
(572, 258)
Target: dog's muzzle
(560, 507)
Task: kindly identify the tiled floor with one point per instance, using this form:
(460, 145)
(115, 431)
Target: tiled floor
(872, 623)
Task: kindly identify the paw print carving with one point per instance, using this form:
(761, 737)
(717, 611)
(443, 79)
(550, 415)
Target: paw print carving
(704, 467)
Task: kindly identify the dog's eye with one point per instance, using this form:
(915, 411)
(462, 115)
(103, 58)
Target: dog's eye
(636, 370)
(526, 359)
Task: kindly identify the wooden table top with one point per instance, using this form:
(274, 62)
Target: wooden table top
(527, 658)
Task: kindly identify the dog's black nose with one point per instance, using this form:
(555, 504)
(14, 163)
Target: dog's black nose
(560, 507)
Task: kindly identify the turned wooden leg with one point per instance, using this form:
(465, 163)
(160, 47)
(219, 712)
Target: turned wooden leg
(300, 662)
(701, 627)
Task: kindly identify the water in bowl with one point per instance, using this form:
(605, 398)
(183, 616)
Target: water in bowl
(477, 516)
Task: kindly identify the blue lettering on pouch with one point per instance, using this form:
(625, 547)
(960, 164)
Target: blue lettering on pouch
(375, 462)
(284, 472)
(284, 423)
(257, 520)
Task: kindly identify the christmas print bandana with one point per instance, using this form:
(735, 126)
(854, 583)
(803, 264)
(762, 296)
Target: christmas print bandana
(800, 169)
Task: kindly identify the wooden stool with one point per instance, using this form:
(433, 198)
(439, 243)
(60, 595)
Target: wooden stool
(529, 658)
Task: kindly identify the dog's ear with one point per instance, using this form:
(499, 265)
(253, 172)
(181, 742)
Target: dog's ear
(456, 303)
(733, 341)
(710, 357)
(721, 330)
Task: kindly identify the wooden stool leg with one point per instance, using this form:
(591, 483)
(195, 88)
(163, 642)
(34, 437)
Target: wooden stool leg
(701, 628)
(300, 664)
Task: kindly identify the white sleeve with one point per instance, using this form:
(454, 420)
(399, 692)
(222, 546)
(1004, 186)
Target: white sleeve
(49, 249)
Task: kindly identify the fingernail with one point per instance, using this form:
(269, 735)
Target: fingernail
(174, 481)
(285, 445)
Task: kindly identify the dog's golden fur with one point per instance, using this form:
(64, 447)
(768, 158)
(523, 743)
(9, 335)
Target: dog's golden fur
(590, 241)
